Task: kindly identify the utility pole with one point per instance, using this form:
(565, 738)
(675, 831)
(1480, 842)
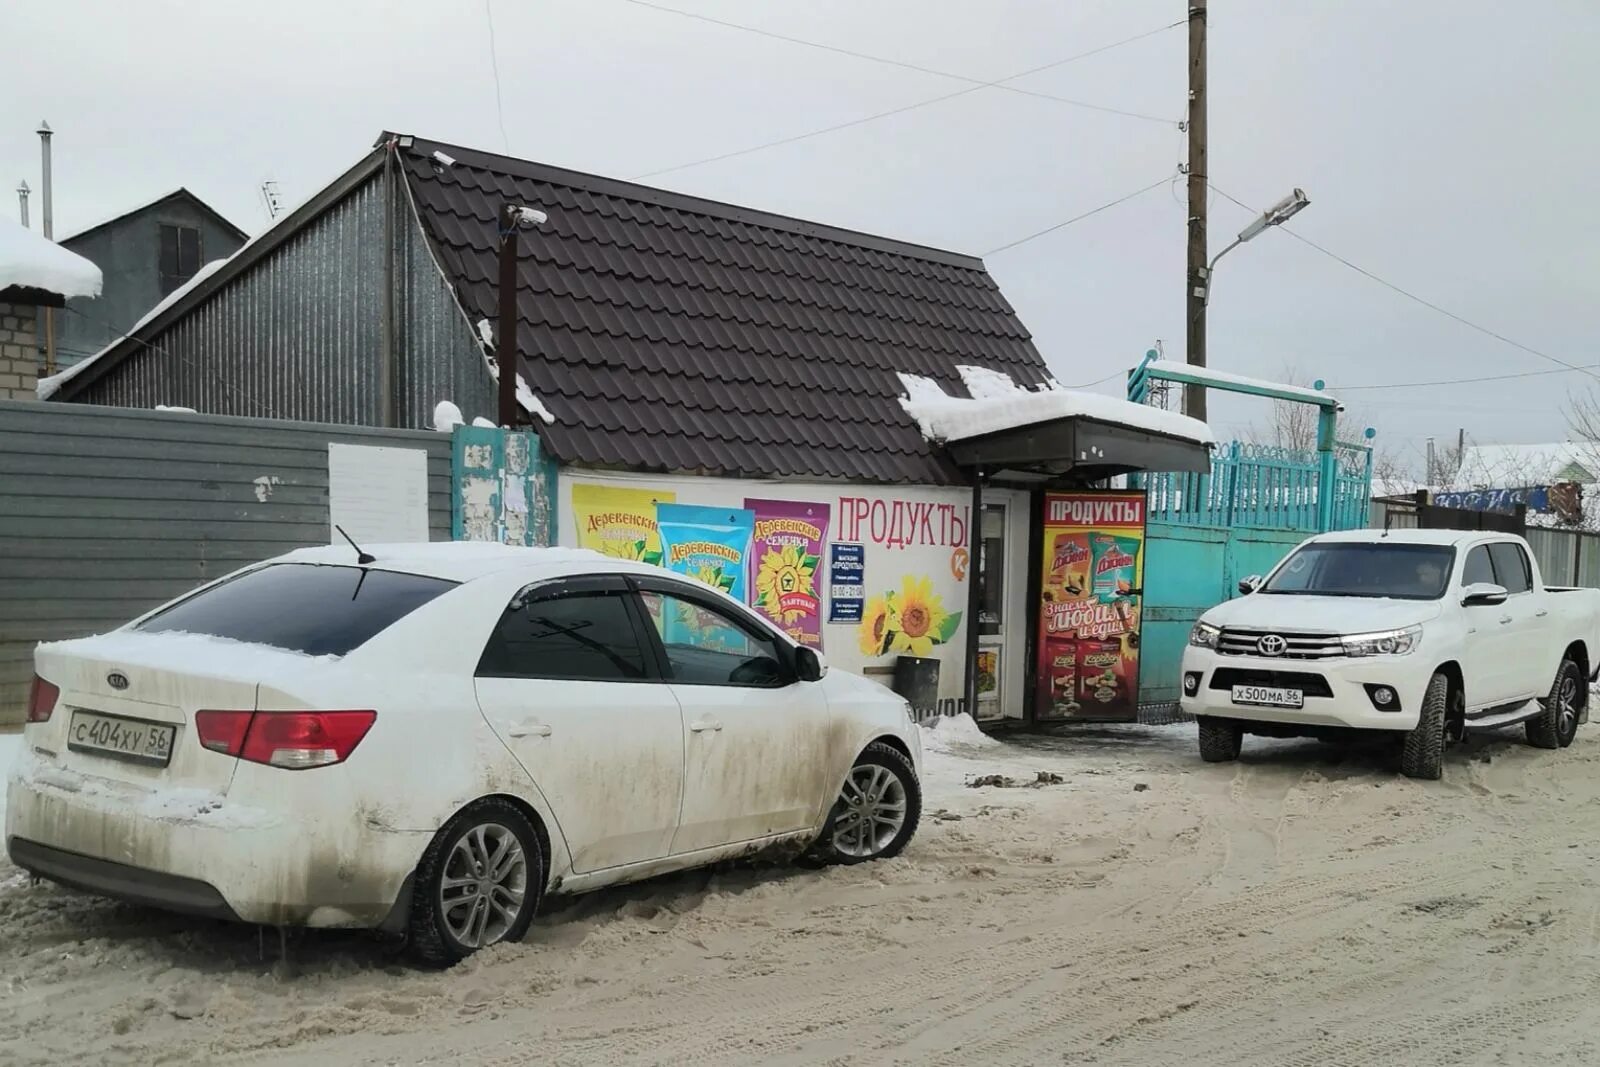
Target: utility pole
(1196, 275)
(49, 229)
(505, 334)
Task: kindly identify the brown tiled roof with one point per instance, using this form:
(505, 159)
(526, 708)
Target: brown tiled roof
(669, 333)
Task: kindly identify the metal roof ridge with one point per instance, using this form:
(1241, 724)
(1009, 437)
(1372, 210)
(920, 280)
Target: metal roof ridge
(516, 167)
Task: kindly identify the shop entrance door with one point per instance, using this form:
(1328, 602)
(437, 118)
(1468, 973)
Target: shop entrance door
(1002, 573)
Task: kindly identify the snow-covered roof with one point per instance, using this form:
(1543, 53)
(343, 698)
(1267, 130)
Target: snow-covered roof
(998, 404)
(1220, 377)
(48, 386)
(31, 261)
(1512, 466)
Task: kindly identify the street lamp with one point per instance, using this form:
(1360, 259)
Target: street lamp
(1276, 215)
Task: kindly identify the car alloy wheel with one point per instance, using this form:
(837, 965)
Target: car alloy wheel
(483, 885)
(870, 811)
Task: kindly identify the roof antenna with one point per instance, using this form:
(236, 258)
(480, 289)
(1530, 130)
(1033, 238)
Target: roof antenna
(362, 558)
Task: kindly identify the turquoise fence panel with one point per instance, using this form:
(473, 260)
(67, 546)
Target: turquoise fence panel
(1183, 573)
(503, 488)
(1264, 486)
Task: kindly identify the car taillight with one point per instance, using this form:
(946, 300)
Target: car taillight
(42, 699)
(293, 740)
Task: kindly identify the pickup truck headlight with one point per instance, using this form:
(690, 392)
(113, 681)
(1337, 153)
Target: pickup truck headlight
(1204, 635)
(1383, 643)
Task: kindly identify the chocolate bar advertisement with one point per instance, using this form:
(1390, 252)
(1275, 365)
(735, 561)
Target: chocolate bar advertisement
(1090, 605)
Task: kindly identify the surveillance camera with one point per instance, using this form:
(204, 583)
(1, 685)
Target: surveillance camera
(444, 160)
(529, 217)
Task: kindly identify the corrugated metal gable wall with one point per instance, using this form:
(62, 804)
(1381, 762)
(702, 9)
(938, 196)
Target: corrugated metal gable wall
(299, 335)
(107, 512)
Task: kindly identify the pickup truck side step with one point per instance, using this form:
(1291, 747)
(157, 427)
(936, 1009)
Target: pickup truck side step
(1504, 715)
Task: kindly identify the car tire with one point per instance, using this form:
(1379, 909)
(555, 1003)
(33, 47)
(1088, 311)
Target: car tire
(1557, 724)
(881, 785)
(1220, 740)
(449, 920)
(1422, 754)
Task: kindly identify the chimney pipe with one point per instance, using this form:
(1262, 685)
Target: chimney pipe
(47, 216)
(22, 202)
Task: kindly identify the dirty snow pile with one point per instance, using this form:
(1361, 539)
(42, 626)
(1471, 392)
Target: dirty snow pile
(10, 749)
(998, 403)
(446, 416)
(950, 734)
(33, 261)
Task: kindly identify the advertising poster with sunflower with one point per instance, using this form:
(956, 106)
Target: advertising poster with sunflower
(1089, 615)
(710, 545)
(910, 620)
(620, 523)
(784, 559)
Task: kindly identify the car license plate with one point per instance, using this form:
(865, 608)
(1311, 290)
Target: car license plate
(138, 740)
(1269, 696)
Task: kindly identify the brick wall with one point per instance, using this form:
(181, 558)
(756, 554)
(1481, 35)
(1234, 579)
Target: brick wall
(19, 353)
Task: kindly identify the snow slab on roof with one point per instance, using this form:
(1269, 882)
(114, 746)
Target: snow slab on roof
(33, 261)
(48, 387)
(1222, 377)
(996, 407)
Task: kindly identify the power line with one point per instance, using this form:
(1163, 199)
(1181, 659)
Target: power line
(494, 66)
(1466, 381)
(1414, 297)
(977, 82)
(1079, 218)
(893, 111)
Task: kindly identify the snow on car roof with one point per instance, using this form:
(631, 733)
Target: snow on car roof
(459, 561)
(1410, 537)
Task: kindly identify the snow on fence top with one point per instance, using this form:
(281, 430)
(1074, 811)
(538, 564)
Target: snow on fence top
(32, 261)
(998, 404)
(1222, 377)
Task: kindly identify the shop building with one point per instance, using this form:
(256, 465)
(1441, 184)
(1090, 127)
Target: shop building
(852, 433)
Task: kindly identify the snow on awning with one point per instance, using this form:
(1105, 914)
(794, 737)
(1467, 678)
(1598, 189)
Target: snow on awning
(999, 404)
(31, 261)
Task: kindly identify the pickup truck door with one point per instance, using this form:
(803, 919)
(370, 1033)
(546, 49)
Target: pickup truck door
(1526, 617)
(1485, 664)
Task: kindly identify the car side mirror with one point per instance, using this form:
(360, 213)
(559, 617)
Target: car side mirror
(1481, 594)
(809, 664)
(1249, 585)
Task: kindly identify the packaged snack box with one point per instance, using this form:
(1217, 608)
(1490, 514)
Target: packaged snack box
(1116, 563)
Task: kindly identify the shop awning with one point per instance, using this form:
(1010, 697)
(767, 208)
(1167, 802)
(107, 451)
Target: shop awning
(1024, 435)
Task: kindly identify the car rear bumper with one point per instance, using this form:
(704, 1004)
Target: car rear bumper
(205, 856)
(136, 885)
(1337, 692)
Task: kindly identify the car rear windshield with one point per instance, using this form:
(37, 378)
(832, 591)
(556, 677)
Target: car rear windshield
(318, 610)
(1404, 572)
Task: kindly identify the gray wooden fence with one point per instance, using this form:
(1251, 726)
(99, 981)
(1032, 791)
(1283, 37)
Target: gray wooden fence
(1566, 557)
(107, 512)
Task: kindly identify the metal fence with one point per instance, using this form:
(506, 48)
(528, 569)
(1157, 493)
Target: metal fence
(1264, 487)
(107, 512)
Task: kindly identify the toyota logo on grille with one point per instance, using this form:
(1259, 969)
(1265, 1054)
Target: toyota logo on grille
(117, 680)
(1272, 645)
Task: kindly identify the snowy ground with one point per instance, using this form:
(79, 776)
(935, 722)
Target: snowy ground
(1305, 906)
(9, 743)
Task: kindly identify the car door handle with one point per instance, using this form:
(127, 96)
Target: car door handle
(526, 729)
(702, 725)
(1541, 614)
(1505, 620)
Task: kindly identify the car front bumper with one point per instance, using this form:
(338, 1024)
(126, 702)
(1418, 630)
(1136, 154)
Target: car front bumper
(204, 855)
(1336, 690)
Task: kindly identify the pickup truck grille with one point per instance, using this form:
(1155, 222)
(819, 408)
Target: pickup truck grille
(1312, 685)
(1236, 642)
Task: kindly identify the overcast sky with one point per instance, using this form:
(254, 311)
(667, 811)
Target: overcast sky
(1448, 147)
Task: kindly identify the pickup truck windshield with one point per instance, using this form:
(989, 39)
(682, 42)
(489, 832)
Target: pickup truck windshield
(1404, 572)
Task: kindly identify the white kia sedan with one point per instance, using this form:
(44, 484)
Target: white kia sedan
(429, 738)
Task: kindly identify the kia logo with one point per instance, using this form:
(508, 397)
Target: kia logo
(117, 680)
(1272, 645)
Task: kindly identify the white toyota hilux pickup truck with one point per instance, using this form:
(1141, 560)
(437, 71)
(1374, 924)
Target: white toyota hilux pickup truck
(1427, 634)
